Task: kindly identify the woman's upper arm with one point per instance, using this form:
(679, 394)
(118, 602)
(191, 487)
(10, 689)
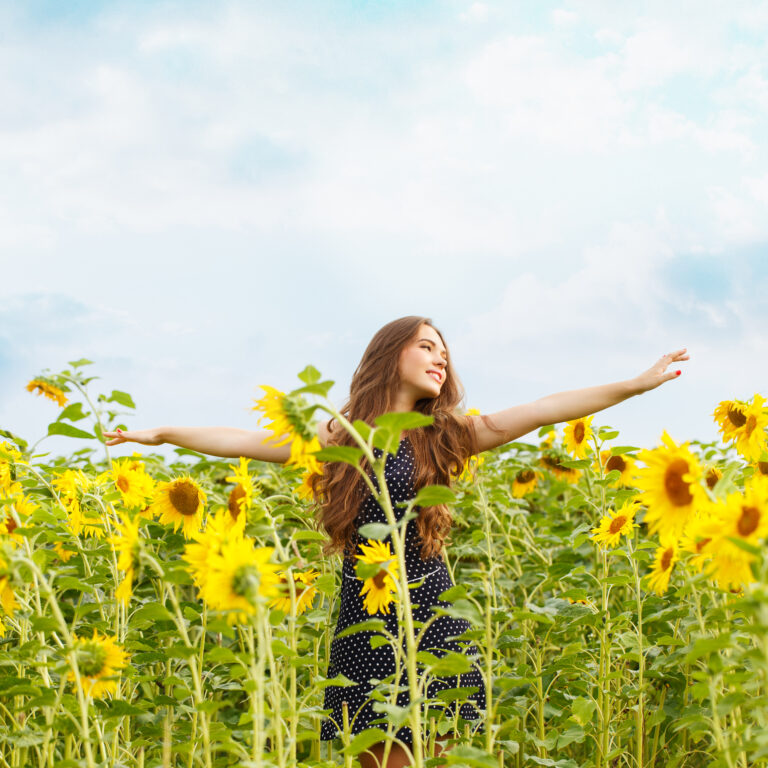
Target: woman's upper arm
(505, 426)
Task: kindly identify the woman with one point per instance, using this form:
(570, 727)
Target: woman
(406, 367)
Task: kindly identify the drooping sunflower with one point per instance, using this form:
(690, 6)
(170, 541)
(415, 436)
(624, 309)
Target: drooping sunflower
(620, 522)
(285, 419)
(576, 436)
(552, 462)
(525, 481)
(16, 512)
(134, 484)
(239, 577)
(622, 463)
(127, 543)
(744, 424)
(671, 488)
(305, 591)
(99, 661)
(52, 392)
(380, 590)
(666, 557)
(180, 502)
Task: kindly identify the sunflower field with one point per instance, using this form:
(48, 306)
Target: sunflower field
(181, 614)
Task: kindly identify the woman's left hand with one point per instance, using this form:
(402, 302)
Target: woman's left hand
(657, 374)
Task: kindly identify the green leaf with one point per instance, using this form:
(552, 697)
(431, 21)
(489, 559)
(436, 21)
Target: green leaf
(67, 430)
(308, 535)
(363, 429)
(119, 708)
(150, 613)
(618, 450)
(310, 375)
(81, 362)
(123, 398)
(73, 412)
(346, 453)
(371, 625)
(434, 495)
(377, 531)
(583, 709)
(362, 741)
(576, 463)
(607, 433)
(464, 754)
(402, 421)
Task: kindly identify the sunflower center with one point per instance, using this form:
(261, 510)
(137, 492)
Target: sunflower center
(617, 523)
(578, 432)
(763, 467)
(378, 579)
(712, 478)
(10, 524)
(123, 484)
(91, 659)
(677, 489)
(616, 462)
(245, 581)
(751, 424)
(238, 492)
(524, 476)
(737, 418)
(184, 498)
(666, 559)
(749, 520)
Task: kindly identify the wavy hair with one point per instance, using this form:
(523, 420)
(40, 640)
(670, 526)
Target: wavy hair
(440, 450)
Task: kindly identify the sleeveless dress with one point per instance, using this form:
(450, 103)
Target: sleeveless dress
(353, 655)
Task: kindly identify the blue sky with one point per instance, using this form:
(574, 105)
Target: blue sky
(205, 197)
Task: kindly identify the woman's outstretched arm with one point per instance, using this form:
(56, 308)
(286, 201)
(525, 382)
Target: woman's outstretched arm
(227, 442)
(574, 404)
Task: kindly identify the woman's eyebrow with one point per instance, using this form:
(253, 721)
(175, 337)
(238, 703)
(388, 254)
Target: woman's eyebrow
(433, 344)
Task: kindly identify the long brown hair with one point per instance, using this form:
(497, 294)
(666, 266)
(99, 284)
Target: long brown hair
(440, 449)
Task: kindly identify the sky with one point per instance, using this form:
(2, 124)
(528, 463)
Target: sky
(206, 197)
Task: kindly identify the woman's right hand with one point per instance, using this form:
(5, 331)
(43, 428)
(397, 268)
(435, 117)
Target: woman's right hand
(143, 436)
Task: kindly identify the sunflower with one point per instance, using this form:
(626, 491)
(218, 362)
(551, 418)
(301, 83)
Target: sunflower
(620, 522)
(288, 424)
(239, 577)
(99, 660)
(671, 488)
(525, 481)
(127, 542)
(711, 476)
(551, 461)
(744, 423)
(207, 543)
(658, 579)
(134, 484)
(6, 465)
(23, 508)
(180, 502)
(304, 596)
(304, 489)
(379, 590)
(8, 602)
(64, 554)
(470, 467)
(761, 467)
(622, 463)
(548, 440)
(41, 387)
(241, 496)
(576, 436)
(71, 485)
(741, 517)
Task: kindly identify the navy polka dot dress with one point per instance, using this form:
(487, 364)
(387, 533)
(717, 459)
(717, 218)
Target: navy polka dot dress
(353, 655)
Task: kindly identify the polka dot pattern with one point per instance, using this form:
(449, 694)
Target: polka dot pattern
(353, 657)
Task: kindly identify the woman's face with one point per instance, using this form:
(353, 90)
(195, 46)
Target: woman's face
(423, 364)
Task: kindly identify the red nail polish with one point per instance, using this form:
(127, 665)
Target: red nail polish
(677, 373)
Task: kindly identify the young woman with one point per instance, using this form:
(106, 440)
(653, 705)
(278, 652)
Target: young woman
(406, 367)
